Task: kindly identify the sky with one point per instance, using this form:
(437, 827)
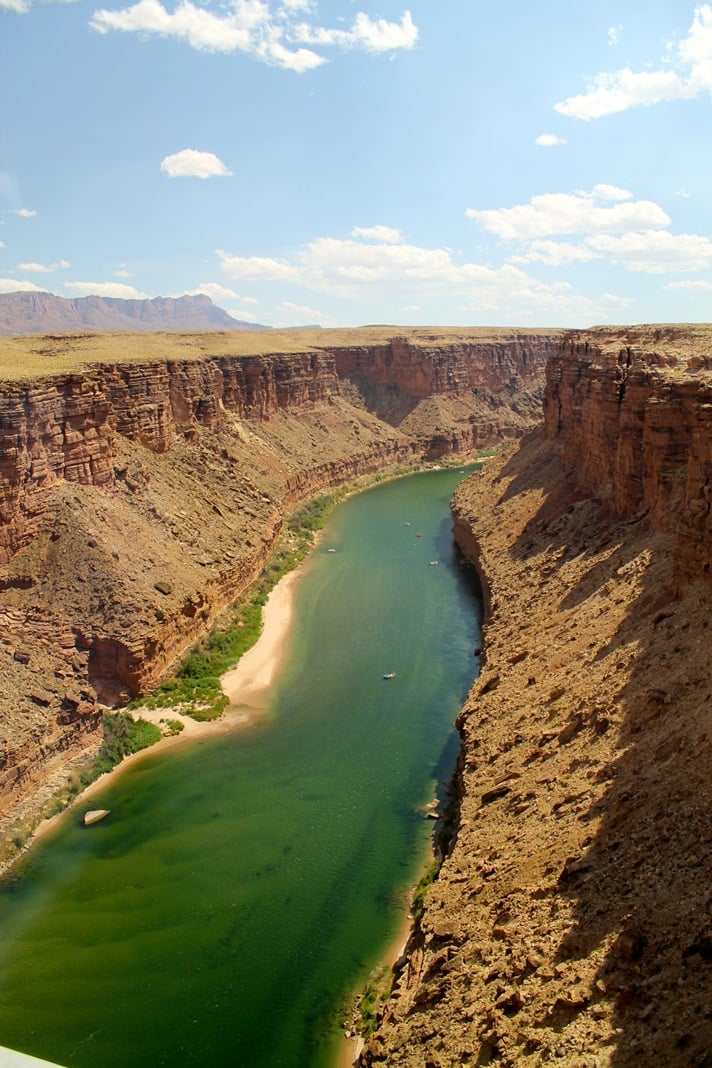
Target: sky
(346, 162)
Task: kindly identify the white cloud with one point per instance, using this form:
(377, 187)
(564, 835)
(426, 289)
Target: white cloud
(373, 35)
(614, 34)
(554, 253)
(122, 272)
(547, 140)
(20, 7)
(257, 268)
(215, 291)
(656, 252)
(2, 244)
(377, 233)
(11, 285)
(266, 31)
(25, 213)
(105, 289)
(616, 91)
(411, 274)
(43, 268)
(693, 287)
(189, 163)
(621, 90)
(570, 213)
(240, 313)
(611, 192)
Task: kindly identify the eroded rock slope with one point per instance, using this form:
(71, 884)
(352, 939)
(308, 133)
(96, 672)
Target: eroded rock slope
(572, 919)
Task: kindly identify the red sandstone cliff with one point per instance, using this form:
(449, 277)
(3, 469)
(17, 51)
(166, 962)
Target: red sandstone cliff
(572, 917)
(632, 415)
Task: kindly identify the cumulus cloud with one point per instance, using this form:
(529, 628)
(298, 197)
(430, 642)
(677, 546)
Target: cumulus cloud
(554, 253)
(105, 289)
(616, 91)
(614, 34)
(693, 286)
(412, 275)
(257, 268)
(611, 192)
(189, 163)
(215, 291)
(373, 35)
(26, 213)
(571, 213)
(122, 272)
(546, 140)
(656, 252)
(20, 7)
(377, 233)
(43, 268)
(12, 285)
(609, 222)
(269, 32)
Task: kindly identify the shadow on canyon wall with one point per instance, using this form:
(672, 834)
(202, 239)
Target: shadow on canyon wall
(640, 887)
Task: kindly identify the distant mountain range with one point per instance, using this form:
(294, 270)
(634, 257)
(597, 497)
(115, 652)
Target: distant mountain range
(43, 313)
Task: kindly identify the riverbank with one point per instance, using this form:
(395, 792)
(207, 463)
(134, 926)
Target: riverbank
(247, 683)
(352, 1045)
(246, 686)
(570, 919)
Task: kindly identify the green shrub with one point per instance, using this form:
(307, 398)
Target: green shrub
(429, 876)
(374, 995)
(195, 688)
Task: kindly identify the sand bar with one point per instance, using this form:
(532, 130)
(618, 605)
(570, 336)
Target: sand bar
(246, 683)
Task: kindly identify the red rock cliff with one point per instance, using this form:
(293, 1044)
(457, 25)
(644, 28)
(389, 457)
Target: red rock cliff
(632, 416)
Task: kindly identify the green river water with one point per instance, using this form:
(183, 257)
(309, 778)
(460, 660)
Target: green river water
(244, 886)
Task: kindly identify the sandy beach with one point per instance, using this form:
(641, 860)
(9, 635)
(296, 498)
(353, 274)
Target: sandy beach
(247, 683)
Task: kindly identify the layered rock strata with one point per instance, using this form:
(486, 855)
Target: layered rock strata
(571, 920)
(138, 498)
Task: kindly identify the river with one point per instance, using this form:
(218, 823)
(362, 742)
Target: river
(243, 886)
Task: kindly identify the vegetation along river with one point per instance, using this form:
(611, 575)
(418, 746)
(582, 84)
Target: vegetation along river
(244, 886)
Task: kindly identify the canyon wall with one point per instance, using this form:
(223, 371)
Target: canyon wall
(139, 497)
(491, 364)
(632, 417)
(571, 918)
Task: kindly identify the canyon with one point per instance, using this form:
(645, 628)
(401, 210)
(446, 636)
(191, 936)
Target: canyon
(144, 481)
(143, 484)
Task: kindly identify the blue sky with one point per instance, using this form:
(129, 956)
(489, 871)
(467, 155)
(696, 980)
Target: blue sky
(325, 161)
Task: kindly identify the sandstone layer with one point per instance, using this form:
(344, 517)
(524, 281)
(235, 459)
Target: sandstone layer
(144, 481)
(572, 917)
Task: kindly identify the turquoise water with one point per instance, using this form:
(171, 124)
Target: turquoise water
(243, 885)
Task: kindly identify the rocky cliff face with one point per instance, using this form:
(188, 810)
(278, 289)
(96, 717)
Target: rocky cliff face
(491, 364)
(137, 499)
(571, 918)
(632, 416)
